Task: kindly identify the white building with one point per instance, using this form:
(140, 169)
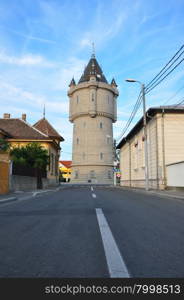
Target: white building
(165, 131)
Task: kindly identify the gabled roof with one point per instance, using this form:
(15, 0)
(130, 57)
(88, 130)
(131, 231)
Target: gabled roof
(152, 111)
(93, 68)
(44, 126)
(19, 129)
(66, 163)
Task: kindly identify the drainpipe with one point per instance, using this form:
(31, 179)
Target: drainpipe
(163, 150)
(130, 165)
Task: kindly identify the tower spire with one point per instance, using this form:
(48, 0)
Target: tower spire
(93, 50)
(44, 111)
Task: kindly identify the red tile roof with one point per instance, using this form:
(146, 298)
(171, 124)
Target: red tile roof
(66, 163)
(44, 126)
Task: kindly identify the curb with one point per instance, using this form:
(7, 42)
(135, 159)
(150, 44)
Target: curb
(153, 193)
(8, 199)
(168, 195)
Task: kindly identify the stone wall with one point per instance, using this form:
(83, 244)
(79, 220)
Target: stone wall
(24, 183)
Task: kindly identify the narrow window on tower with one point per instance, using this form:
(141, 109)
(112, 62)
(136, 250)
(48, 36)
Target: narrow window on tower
(101, 125)
(77, 141)
(101, 155)
(93, 97)
(84, 155)
(108, 139)
(92, 174)
(108, 99)
(76, 174)
(109, 174)
(77, 99)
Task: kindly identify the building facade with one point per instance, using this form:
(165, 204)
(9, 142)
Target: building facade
(92, 111)
(65, 170)
(165, 131)
(18, 132)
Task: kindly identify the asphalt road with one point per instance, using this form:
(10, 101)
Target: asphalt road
(58, 234)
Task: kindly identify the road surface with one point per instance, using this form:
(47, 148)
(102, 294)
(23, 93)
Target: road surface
(92, 232)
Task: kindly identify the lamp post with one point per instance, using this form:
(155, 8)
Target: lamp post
(145, 132)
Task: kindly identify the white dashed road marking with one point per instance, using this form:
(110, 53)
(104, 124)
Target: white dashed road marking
(93, 195)
(115, 262)
(91, 188)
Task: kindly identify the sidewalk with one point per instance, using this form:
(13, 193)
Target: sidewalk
(179, 194)
(23, 195)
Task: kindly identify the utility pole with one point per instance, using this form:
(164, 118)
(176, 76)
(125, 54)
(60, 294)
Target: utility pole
(145, 139)
(145, 133)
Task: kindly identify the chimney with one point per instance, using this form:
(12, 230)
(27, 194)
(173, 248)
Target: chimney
(24, 117)
(6, 116)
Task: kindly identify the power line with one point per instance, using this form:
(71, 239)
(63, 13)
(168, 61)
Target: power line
(149, 90)
(180, 102)
(133, 113)
(152, 84)
(173, 96)
(153, 81)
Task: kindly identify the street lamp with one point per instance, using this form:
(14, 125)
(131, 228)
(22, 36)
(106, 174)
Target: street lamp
(145, 132)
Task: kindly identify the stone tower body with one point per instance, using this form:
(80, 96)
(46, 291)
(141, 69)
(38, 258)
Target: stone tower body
(93, 109)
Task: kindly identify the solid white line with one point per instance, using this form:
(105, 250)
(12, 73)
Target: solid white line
(91, 188)
(93, 195)
(116, 265)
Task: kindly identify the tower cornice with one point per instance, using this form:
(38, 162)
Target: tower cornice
(98, 113)
(96, 85)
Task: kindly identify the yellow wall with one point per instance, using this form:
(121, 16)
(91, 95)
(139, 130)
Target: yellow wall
(67, 171)
(51, 150)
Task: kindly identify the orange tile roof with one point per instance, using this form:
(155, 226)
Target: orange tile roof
(66, 163)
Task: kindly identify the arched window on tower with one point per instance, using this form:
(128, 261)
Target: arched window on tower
(77, 141)
(101, 155)
(101, 125)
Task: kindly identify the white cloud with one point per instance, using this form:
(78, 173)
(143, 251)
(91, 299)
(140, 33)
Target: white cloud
(25, 60)
(72, 67)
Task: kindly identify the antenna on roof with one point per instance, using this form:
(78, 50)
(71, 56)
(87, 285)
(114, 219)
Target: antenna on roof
(44, 111)
(93, 50)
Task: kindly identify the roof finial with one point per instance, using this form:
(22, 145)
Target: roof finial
(93, 50)
(44, 111)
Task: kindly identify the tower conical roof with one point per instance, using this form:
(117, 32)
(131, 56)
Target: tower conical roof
(93, 68)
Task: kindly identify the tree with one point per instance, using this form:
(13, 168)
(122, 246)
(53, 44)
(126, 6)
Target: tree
(4, 145)
(34, 156)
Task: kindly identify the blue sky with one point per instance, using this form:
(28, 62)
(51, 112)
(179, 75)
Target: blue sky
(44, 43)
